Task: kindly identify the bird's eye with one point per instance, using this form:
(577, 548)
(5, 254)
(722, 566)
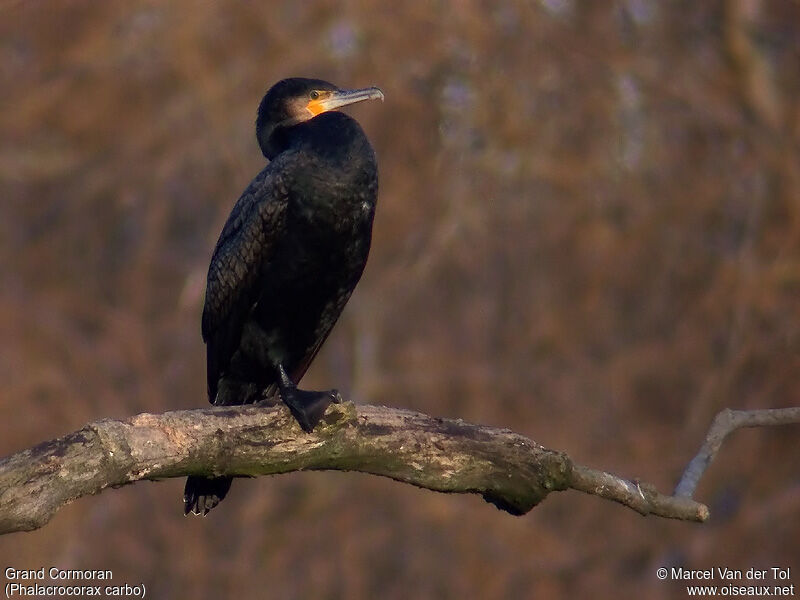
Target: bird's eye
(314, 94)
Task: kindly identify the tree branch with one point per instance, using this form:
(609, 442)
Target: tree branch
(728, 421)
(507, 469)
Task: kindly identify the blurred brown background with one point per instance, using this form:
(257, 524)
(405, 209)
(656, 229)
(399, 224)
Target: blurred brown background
(588, 231)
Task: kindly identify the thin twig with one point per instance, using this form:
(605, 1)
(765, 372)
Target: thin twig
(725, 422)
(641, 497)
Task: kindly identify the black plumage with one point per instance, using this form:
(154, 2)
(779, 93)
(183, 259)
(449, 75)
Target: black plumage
(288, 257)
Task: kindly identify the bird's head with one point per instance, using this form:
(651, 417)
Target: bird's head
(296, 100)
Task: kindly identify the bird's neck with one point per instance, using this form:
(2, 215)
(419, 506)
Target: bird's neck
(273, 139)
(333, 134)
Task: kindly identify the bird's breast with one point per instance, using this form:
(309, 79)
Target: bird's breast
(334, 201)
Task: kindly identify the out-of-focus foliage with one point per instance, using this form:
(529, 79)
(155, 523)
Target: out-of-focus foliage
(588, 231)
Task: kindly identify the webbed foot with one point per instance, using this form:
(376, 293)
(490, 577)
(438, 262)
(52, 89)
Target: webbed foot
(308, 407)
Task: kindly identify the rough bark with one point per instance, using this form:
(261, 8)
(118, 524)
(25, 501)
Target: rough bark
(507, 469)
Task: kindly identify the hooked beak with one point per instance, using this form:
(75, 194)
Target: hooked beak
(339, 98)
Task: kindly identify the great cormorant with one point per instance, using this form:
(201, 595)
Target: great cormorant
(288, 257)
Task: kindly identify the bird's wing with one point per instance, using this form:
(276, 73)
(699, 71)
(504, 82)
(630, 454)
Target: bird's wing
(330, 315)
(247, 241)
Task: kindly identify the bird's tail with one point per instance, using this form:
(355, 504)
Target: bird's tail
(204, 493)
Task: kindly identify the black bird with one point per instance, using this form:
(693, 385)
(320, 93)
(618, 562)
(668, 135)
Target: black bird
(288, 257)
